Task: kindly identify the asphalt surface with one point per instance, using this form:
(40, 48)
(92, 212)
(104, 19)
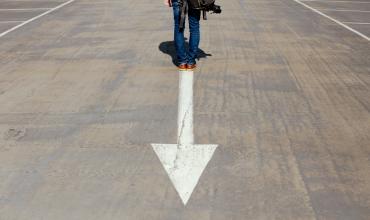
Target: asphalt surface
(86, 89)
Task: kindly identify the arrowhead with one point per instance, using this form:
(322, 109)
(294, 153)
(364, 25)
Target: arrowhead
(184, 165)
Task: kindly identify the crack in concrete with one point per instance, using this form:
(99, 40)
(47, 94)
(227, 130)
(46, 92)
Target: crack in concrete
(180, 145)
(183, 126)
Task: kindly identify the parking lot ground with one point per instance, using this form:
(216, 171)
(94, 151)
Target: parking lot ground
(353, 15)
(281, 88)
(17, 15)
(29, 4)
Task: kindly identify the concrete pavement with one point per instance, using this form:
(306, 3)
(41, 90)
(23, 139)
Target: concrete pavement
(85, 90)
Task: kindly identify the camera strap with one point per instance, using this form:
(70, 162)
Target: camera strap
(184, 11)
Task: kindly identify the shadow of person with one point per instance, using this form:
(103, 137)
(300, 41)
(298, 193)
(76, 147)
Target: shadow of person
(168, 47)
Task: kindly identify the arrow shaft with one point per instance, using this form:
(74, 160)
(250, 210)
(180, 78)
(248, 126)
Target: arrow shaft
(185, 132)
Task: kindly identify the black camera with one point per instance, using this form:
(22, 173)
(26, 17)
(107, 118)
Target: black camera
(214, 9)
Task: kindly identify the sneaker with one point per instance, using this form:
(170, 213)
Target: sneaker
(191, 66)
(182, 66)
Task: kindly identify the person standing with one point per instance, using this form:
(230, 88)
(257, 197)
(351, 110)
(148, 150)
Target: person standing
(186, 58)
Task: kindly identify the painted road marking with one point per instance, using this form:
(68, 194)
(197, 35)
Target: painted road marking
(360, 2)
(35, 18)
(24, 9)
(185, 132)
(6, 22)
(184, 165)
(185, 162)
(349, 22)
(342, 10)
(334, 20)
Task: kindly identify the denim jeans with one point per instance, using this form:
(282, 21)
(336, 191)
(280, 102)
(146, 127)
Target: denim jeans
(184, 56)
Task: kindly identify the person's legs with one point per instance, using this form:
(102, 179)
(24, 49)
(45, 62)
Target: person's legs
(194, 17)
(179, 35)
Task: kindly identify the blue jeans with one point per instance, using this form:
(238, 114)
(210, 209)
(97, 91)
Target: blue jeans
(183, 56)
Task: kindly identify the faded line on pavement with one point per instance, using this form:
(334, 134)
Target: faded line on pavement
(334, 20)
(35, 18)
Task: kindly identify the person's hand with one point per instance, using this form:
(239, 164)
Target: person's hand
(168, 3)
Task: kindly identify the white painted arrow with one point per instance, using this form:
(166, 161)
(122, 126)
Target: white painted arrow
(184, 162)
